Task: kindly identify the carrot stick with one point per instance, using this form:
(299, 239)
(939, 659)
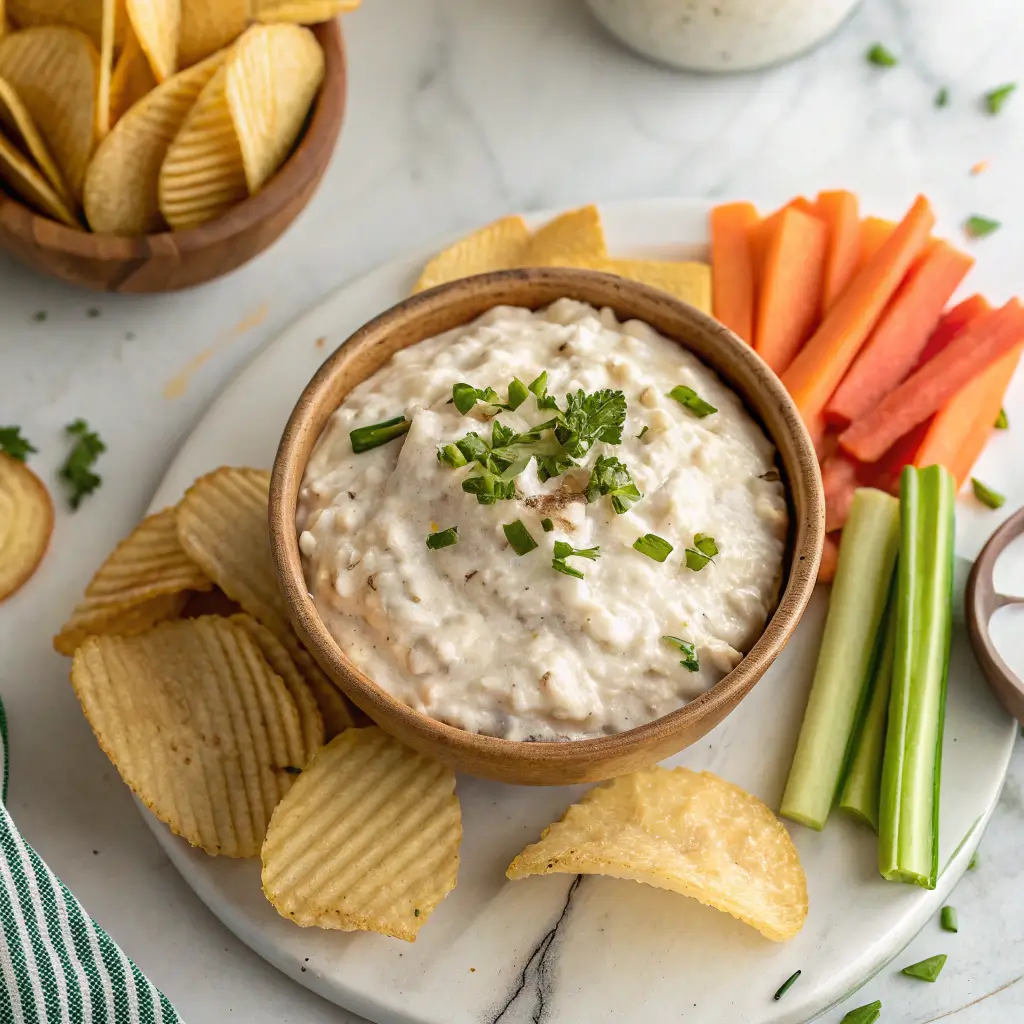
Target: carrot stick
(874, 232)
(983, 342)
(790, 300)
(896, 343)
(840, 477)
(732, 267)
(762, 233)
(819, 367)
(839, 211)
(952, 323)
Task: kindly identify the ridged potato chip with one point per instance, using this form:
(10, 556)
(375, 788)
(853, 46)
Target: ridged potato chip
(367, 839)
(26, 522)
(302, 12)
(499, 245)
(21, 130)
(131, 80)
(198, 725)
(129, 591)
(273, 74)
(687, 279)
(202, 175)
(222, 525)
(573, 235)
(55, 71)
(208, 26)
(27, 182)
(85, 15)
(157, 25)
(121, 185)
(695, 834)
(106, 68)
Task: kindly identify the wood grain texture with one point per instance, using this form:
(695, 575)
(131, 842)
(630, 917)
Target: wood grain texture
(171, 261)
(440, 309)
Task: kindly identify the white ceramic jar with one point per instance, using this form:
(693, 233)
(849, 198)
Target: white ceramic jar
(721, 35)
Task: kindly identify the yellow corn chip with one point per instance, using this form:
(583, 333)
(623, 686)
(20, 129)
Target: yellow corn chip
(199, 726)
(28, 183)
(131, 80)
(22, 131)
(273, 75)
(157, 24)
(498, 246)
(367, 839)
(147, 566)
(302, 12)
(122, 183)
(207, 27)
(573, 235)
(687, 280)
(26, 522)
(695, 834)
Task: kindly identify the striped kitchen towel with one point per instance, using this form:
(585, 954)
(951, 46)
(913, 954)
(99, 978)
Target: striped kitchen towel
(57, 966)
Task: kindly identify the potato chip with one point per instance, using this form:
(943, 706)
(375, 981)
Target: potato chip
(121, 184)
(85, 15)
(55, 71)
(367, 839)
(499, 245)
(198, 725)
(302, 12)
(687, 280)
(273, 75)
(26, 522)
(132, 78)
(207, 27)
(157, 25)
(695, 834)
(106, 69)
(281, 662)
(222, 525)
(202, 176)
(22, 131)
(147, 566)
(27, 182)
(572, 235)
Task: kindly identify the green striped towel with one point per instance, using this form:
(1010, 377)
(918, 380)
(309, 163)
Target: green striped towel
(57, 966)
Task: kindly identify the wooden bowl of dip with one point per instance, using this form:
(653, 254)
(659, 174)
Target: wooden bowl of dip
(433, 312)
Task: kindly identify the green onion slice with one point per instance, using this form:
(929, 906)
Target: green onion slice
(882, 57)
(373, 436)
(443, 539)
(519, 537)
(926, 970)
(688, 397)
(653, 546)
(787, 985)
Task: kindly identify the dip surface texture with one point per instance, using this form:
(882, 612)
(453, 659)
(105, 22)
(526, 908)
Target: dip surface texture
(502, 644)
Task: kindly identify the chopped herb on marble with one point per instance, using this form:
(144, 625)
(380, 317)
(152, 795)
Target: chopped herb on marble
(948, 919)
(881, 57)
(996, 98)
(942, 97)
(787, 985)
(1002, 420)
(77, 469)
(978, 227)
(12, 443)
(39, 316)
(926, 970)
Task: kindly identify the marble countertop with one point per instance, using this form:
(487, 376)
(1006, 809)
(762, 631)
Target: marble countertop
(461, 110)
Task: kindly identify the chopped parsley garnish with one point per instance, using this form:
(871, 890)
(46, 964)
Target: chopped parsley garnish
(995, 99)
(539, 387)
(942, 97)
(689, 652)
(564, 551)
(881, 56)
(926, 970)
(489, 488)
(610, 476)
(465, 396)
(640, 436)
(703, 550)
(599, 416)
(77, 469)
(519, 537)
(688, 397)
(451, 455)
(443, 539)
(653, 546)
(14, 445)
(547, 525)
(517, 393)
(986, 495)
(866, 1014)
(1002, 421)
(376, 434)
(978, 227)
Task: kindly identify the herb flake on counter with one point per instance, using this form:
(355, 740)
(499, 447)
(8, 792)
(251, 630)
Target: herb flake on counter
(77, 469)
(948, 920)
(519, 537)
(1002, 421)
(703, 551)
(39, 316)
(995, 98)
(564, 550)
(942, 97)
(12, 443)
(986, 495)
(786, 985)
(653, 546)
(866, 1014)
(376, 434)
(686, 396)
(443, 538)
(926, 970)
(977, 226)
(882, 57)
(690, 660)
(546, 525)
(609, 476)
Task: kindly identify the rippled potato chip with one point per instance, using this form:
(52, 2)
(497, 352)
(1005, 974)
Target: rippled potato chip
(84, 15)
(688, 280)
(573, 235)
(499, 245)
(145, 580)
(273, 74)
(198, 725)
(209, 25)
(131, 80)
(302, 12)
(367, 839)
(106, 68)
(27, 182)
(157, 25)
(55, 71)
(222, 525)
(26, 522)
(21, 130)
(121, 187)
(695, 834)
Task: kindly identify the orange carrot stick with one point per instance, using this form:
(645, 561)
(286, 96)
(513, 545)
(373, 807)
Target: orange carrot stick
(952, 323)
(732, 267)
(839, 211)
(874, 232)
(896, 343)
(762, 233)
(789, 305)
(814, 375)
(840, 478)
(983, 342)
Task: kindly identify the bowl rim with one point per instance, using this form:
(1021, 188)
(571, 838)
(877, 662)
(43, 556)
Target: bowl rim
(800, 567)
(325, 117)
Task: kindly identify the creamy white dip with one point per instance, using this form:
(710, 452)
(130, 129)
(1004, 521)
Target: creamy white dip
(497, 643)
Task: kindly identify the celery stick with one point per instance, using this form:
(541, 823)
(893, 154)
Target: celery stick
(859, 795)
(866, 557)
(908, 849)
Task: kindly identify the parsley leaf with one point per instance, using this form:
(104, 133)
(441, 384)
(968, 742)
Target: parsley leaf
(653, 546)
(14, 445)
(881, 56)
(690, 660)
(995, 99)
(587, 419)
(489, 488)
(517, 393)
(1002, 422)
(77, 469)
(465, 396)
(539, 387)
(610, 476)
(978, 227)
(703, 550)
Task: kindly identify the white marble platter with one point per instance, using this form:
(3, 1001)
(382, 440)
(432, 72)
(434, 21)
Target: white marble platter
(556, 950)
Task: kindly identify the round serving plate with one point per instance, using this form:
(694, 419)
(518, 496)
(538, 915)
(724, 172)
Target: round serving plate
(562, 951)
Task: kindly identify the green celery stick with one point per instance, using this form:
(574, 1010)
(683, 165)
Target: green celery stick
(859, 795)
(908, 849)
(866, 558)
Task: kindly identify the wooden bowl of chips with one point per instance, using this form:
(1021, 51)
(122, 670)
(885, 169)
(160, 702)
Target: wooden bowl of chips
(172, 260)
(440, 309)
